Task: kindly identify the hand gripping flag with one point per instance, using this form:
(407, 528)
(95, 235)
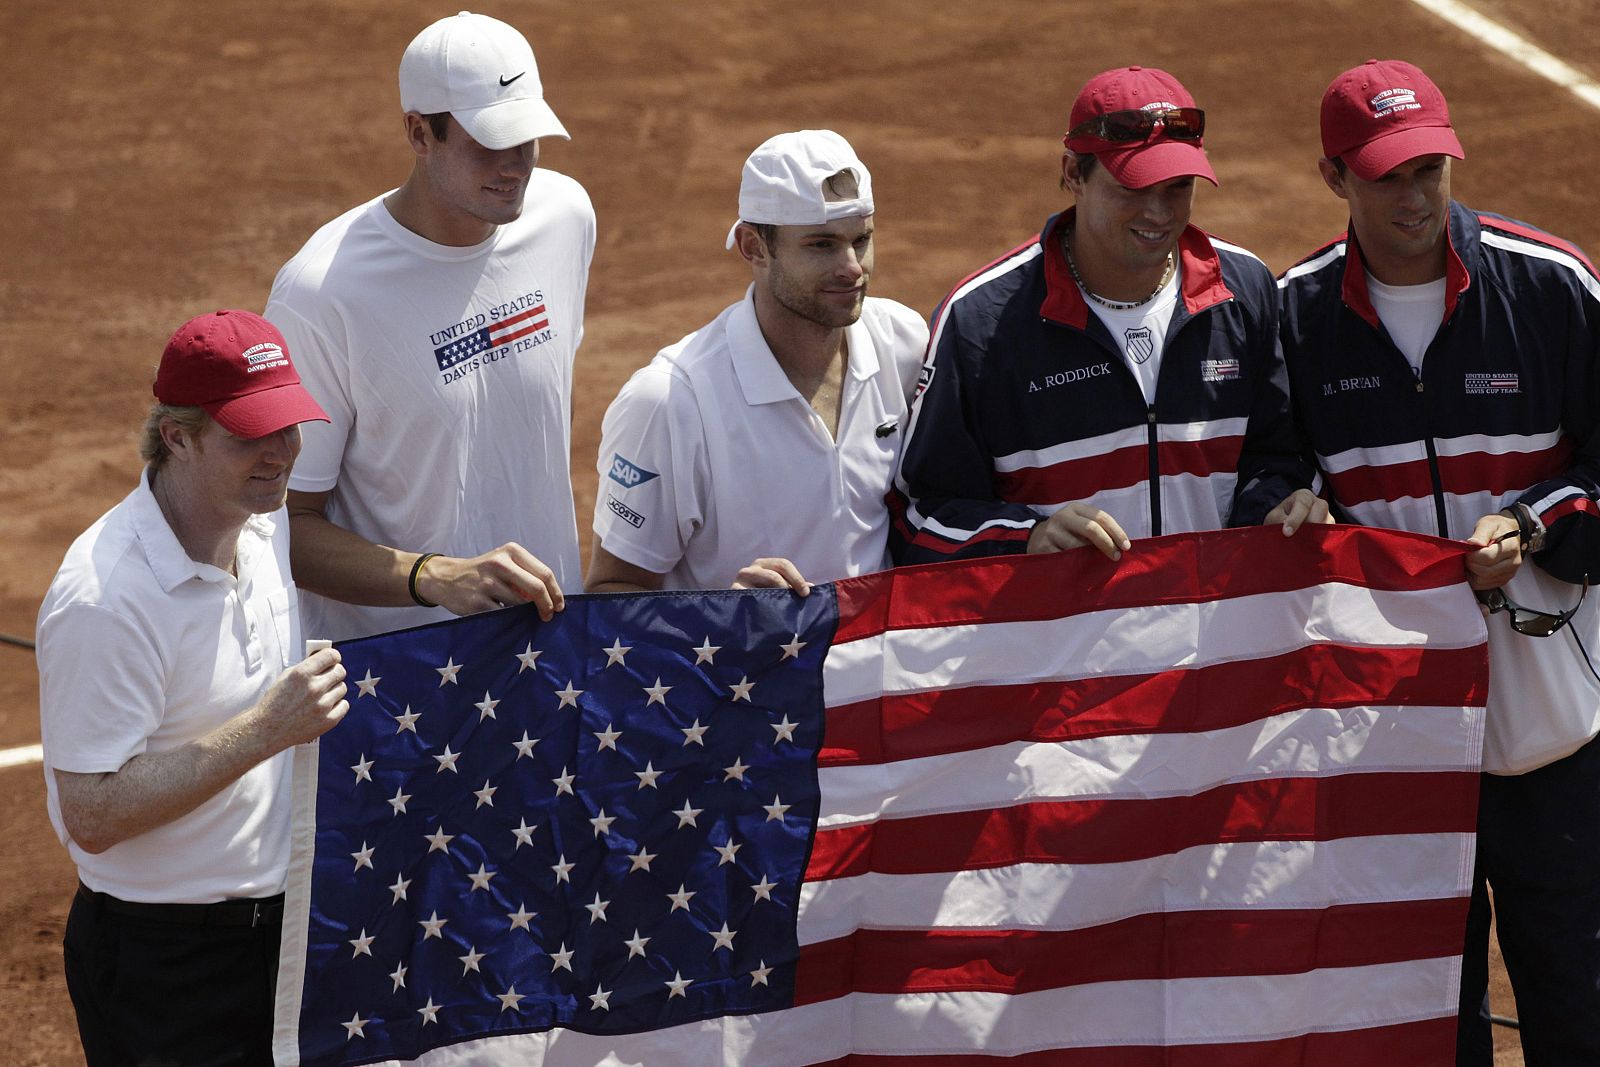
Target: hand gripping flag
(1213, 804)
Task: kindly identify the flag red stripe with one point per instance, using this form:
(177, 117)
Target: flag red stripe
(525, 331)
(518, 317)
(1125, 829)
(912, 725)
(1142, 948)
(1428, 1043)
(1176, 569)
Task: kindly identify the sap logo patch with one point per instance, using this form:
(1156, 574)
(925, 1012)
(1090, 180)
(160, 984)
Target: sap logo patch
(626, 474)
(624, 512)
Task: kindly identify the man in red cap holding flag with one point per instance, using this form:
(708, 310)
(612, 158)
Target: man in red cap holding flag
(1114, 378)
(171, 688)
(1444, 368)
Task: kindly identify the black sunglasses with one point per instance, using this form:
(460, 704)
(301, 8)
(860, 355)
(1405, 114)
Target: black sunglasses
(1527, 621)
(1137, 127)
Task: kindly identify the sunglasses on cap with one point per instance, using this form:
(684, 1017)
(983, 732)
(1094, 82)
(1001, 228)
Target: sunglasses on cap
(1138, 127)
(1527, 621)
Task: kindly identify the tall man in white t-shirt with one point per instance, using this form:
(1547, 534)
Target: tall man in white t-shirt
(171, 687)
(1445, 364)
(437, 324)
(757, 450)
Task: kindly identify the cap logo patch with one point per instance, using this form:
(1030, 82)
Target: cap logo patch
(505, 81)
(1159, 105)
(264, 356)
(1392, 100)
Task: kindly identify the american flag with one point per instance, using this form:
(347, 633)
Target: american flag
(500, 332)
(1211, 805)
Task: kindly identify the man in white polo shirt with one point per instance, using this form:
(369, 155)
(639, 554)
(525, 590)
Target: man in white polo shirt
(757, 450)
(170, 689)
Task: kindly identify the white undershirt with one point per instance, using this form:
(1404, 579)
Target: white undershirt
(1141, 332)
(1411, 314)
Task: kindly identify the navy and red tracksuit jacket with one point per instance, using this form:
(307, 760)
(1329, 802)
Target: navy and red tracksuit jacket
(1027, 404)
(1506, 408)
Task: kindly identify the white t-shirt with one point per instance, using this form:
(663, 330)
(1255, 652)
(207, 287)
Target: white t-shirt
(1411, 314)
(1141, 333)
(709, 458)
(447, 373)
(142, 650)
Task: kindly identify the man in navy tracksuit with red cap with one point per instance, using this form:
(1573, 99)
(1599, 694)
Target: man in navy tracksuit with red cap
(1116, 377)
(1443, 364)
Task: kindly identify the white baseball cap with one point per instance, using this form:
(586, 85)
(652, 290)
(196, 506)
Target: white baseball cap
(784, 179)
(481, 71)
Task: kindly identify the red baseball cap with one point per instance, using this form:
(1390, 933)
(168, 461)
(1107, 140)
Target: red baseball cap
(1382, 113)
(1157, 160)
(235, 365)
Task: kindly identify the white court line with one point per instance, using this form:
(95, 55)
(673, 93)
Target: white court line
(1517, 47)
(21, 757)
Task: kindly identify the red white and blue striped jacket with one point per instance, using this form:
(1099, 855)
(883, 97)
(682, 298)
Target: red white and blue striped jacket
(1506, 409)
(1026, 404)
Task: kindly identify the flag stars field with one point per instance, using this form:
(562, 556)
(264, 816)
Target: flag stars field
(501, 719)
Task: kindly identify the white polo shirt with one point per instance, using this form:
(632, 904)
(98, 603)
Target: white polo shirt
(710, 459)
(141, 649)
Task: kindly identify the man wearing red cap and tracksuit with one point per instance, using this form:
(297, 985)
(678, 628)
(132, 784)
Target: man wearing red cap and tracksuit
(1117, 376)
(1444, 368)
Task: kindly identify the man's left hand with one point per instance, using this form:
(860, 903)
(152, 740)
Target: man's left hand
(1494, 564)
(1298, 508)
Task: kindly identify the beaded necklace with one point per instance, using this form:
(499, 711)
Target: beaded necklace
(1114, 305)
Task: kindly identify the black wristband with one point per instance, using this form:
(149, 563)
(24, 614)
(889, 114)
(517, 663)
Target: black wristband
(411, 582)
(1526, 528)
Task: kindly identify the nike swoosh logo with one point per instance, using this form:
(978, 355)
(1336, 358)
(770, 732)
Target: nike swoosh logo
(505, 81)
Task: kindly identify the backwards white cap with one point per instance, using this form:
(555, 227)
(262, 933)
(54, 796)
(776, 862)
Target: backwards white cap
(481, 71)
(784, 181)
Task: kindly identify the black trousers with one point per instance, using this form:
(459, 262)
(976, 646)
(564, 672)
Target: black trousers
(172, 985)
(1539, 849)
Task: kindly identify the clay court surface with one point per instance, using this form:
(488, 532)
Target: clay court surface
(166, 162)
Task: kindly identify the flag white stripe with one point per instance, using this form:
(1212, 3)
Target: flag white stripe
(997, 1024)
(1074, 896)
(1308, 743)
(1144, 640)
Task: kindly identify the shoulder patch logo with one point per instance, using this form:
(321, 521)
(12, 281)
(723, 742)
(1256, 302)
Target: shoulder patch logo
(1220, 370)
(627, 474)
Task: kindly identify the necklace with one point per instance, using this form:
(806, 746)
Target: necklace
(1114, 305)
